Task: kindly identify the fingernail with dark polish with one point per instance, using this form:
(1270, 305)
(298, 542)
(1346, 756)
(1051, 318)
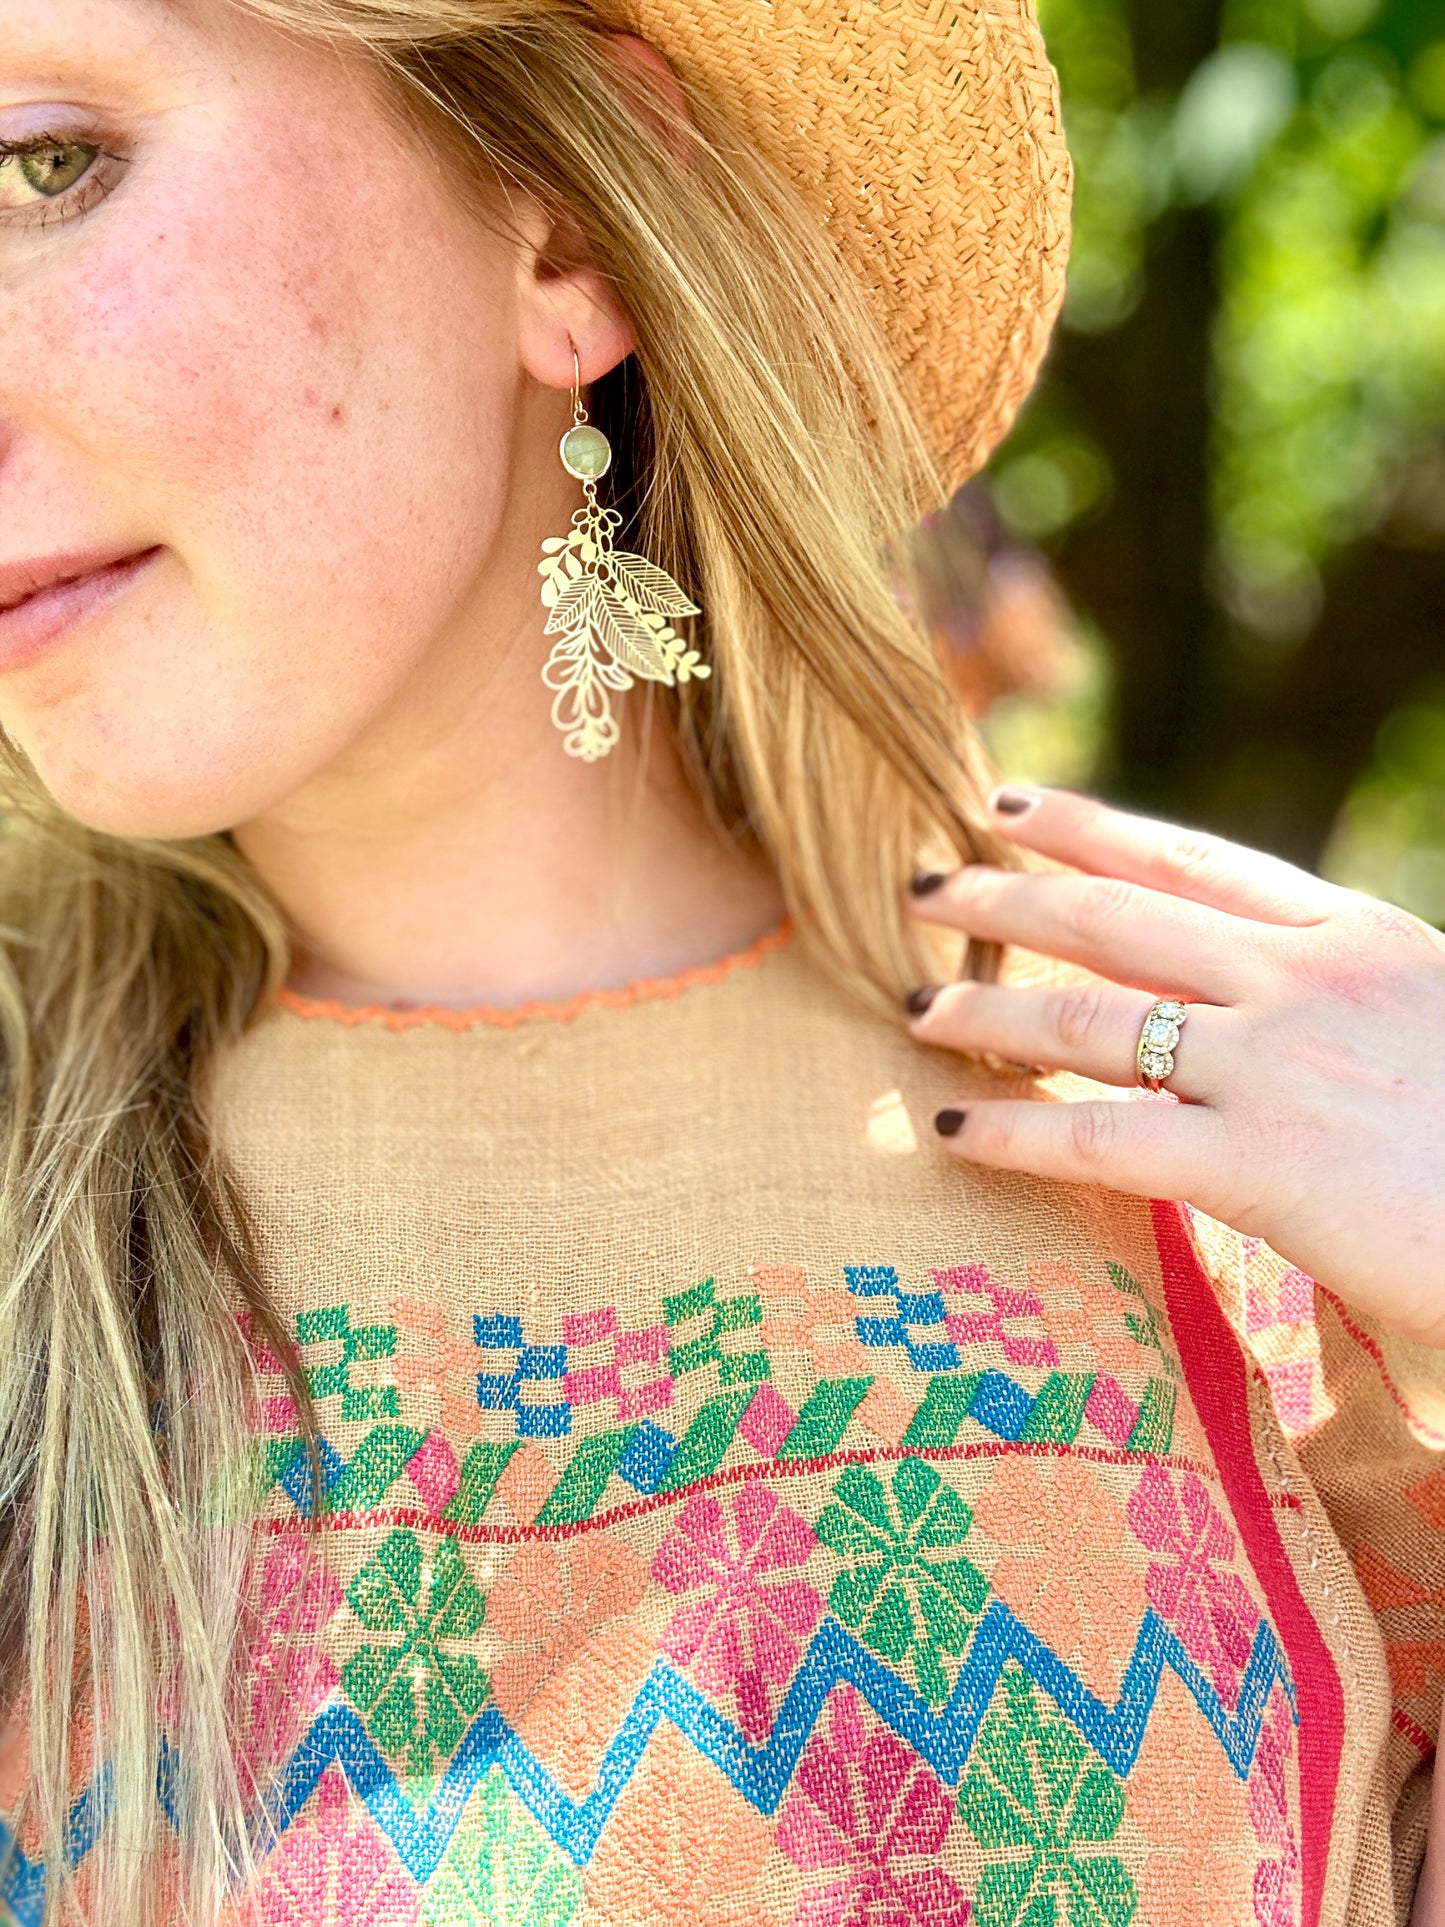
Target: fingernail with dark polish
(920, 999)
(926, 882)
(1014, 802)
(949, 1123)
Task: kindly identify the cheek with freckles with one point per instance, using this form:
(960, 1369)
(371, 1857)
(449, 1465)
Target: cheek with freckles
(258, 363)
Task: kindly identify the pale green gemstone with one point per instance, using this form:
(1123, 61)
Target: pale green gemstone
(586, 452)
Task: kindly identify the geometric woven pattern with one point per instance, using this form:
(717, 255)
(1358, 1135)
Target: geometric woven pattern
(944, 1740)
(540, 1389)
(860, 1636)
(735, 1515)
(944, 1604)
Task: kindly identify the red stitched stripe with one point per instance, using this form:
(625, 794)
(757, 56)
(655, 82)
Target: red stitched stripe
(1214, 1368)
(1416, 1735)
(730, 1475)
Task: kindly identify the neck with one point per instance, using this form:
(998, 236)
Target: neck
(454, 854)
(468, 873)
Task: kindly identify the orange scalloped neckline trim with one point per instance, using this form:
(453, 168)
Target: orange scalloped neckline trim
(508, 1017)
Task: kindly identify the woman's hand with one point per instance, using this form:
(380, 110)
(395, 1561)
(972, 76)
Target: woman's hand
(1312, 1064)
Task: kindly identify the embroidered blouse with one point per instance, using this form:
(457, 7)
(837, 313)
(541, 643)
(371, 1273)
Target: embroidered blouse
(735, 1512)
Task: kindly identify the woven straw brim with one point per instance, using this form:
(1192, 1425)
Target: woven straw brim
(927, 135)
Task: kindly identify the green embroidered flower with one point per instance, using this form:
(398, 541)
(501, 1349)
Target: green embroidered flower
(1035, 1784)
(501, 1868)
(415, 1696)
(907, 1603)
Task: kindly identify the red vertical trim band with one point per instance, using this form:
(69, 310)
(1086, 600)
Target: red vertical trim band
(1216, 1370)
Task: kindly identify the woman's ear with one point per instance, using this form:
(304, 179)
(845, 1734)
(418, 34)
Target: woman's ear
(564, 298)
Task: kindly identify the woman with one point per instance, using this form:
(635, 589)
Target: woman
(510, 1410)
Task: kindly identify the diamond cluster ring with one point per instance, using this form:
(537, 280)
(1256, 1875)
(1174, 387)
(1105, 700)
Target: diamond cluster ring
(1154, 1058)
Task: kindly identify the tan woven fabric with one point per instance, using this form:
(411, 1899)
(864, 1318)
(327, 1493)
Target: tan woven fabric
(738, 1513)
(926, 134)
(1366, 1412)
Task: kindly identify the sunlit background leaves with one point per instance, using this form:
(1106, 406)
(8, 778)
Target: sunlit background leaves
(1209, 566)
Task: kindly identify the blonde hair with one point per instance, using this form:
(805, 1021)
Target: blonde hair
(768, 463)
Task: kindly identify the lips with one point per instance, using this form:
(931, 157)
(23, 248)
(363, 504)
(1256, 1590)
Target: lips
(41, 601)
(24, 578)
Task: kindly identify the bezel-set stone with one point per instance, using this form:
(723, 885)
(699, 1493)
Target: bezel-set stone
(1155, 1063)
(1160, 1032)
(586, 452)
(1171, 1009)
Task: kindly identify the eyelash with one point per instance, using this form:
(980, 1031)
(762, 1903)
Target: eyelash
(92, 187)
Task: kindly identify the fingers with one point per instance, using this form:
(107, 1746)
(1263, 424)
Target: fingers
(1183, 863)
(1152, 1148)
(1136, 936)
(1090, 1028)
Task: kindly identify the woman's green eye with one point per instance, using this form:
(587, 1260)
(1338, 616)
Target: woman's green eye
(53, 169)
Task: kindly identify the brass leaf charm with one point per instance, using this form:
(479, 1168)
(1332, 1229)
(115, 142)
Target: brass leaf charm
(610, 612)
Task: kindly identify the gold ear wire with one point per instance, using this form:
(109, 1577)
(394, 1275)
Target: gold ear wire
(608, 609)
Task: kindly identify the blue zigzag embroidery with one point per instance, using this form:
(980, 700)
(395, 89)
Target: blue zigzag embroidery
(22, 1881)
(761, 1773)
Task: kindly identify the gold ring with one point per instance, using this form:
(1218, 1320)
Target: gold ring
(1158, 1036)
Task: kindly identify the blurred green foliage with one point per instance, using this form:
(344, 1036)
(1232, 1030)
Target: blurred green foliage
(1390, 836)
(1236, 461)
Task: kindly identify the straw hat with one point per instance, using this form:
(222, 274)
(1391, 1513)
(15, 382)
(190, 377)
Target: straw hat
(926, 133)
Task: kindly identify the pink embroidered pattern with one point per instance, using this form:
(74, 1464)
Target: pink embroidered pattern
(768, 1420)
(1273, 1306)
(334, 1866)
(864, 1808)
(273, 1415)
(1208, 1606)
(745, 1636)
(1276, 1880)
(982, 1327)
(1294, 1303)
(610, 1375)
(291, 1672)
(1112, 1410)
(434, 1472)
(1289, 1356)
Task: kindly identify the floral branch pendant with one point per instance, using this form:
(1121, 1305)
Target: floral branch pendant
(611, 614)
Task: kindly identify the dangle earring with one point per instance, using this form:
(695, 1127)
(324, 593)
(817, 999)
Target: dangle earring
(609, 610)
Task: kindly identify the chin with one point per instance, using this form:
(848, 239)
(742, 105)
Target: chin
(165, 804)
(149, 820)
(199, 763)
